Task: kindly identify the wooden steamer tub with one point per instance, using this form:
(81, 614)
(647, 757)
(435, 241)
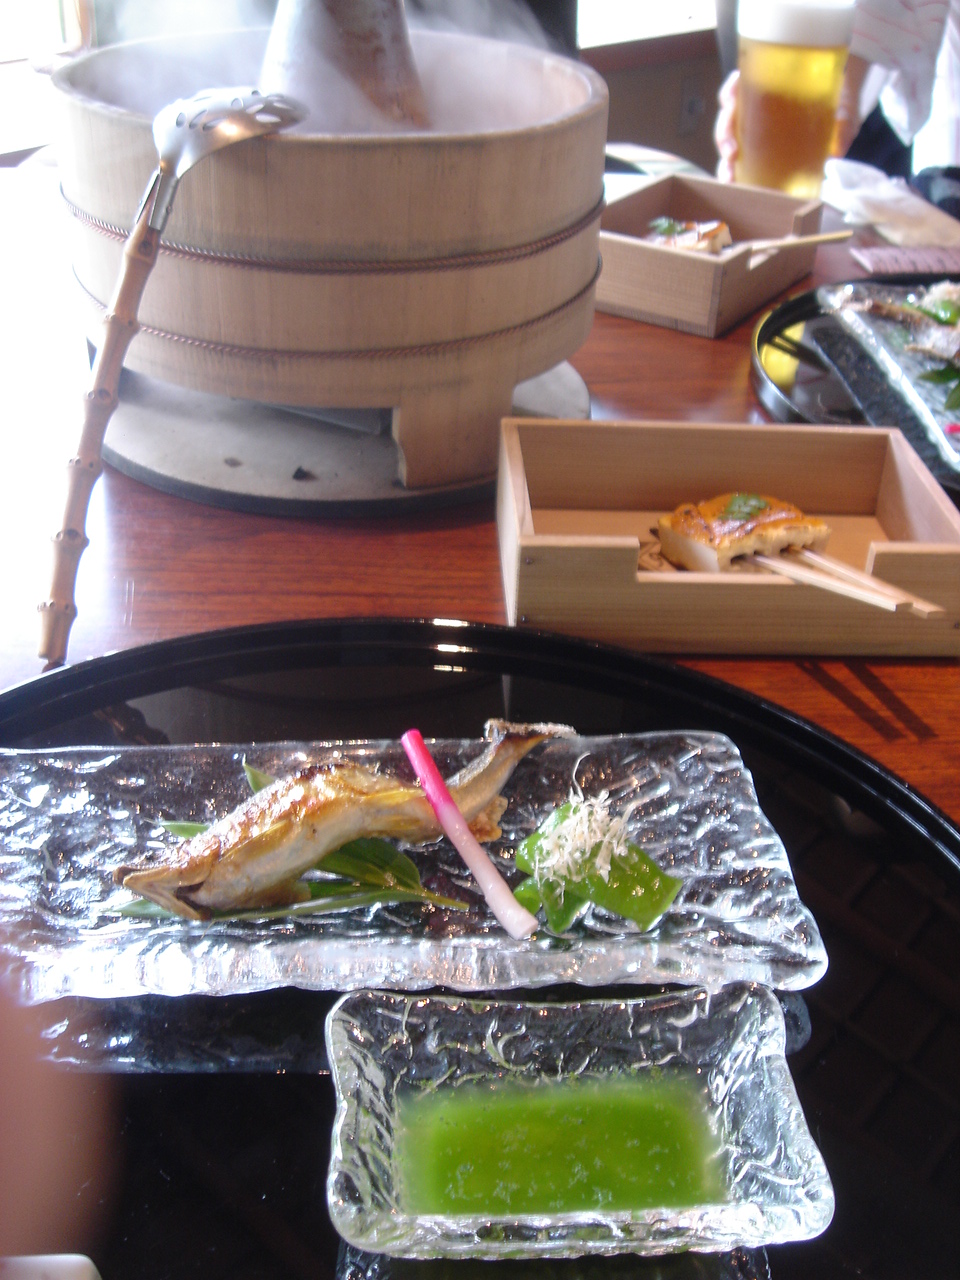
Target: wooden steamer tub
(424, 272)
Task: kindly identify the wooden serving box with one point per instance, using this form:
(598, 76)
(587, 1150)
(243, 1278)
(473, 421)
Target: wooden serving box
(577, 502)
(701, 293)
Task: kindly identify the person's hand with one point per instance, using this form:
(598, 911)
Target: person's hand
(57, 1157)
(849, 119)
(725, 129)
(847, 123)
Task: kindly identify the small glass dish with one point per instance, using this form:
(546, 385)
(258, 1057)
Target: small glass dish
(409, 1068)
(738, 1264)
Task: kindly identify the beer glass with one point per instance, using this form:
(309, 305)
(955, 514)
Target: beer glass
(792, 55)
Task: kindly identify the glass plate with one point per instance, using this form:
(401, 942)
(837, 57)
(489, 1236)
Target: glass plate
(738, 1264)
(385, 1048)
(67, 818)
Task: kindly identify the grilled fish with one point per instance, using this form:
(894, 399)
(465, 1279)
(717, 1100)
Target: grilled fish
(255, 855)
(933, 319)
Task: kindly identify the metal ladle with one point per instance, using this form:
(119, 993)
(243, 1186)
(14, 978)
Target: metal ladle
(184, 132)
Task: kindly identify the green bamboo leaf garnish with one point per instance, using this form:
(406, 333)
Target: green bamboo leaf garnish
(370, 860)
(257, 779)
(379, 864)
(953, 399)
(347, 897)
(948, 373)
(185, 830)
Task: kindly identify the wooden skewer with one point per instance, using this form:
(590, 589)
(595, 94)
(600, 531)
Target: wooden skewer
(904, 599)
(817, 237)
(785, 566)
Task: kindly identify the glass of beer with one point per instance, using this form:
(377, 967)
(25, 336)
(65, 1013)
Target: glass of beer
(792, 54)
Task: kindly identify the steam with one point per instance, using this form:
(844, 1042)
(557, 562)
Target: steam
(498, 19)
(478, 61)
(133, 20)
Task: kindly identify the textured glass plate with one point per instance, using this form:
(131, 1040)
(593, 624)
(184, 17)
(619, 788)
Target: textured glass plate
(886, 342)
(380, 1046)
(738, 1264)
(68, 818)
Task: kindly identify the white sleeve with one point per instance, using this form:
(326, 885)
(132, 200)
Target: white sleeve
(904, 36)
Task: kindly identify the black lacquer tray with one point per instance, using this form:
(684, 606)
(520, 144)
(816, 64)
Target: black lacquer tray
(807, 367)
(223, 1108)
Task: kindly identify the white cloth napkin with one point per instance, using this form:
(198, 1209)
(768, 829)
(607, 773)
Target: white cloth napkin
(865, 195)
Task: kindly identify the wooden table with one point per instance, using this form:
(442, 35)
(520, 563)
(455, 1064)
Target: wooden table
(160, 566)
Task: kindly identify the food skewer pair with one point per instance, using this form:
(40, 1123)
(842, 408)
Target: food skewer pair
(714, 236)
(707, 536)
(834, 575)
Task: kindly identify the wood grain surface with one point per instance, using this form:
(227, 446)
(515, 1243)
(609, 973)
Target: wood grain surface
(160, 566)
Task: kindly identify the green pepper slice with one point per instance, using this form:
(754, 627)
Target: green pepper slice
(634, 887)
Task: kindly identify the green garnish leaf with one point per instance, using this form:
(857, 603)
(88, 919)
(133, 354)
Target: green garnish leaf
(185, 830)
(325, 897)
(375, 862)
(953, 399)
(943, 311)
(345, 901)
(744, 505)
(665, 226)
(144, 909)
(257, 779)
(948, 373)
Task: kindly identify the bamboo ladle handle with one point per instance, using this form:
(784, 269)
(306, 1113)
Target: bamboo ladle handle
(120, 325)
(185, 132)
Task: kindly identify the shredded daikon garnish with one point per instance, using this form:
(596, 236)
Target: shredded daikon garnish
(588, 829)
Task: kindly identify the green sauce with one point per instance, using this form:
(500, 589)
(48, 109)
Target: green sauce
(558, 1146)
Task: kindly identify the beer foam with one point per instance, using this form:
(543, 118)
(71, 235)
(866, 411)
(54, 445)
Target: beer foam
(812, 24)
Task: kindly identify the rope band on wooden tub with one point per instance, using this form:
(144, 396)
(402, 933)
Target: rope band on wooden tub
(345, 266)
(361, 353)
